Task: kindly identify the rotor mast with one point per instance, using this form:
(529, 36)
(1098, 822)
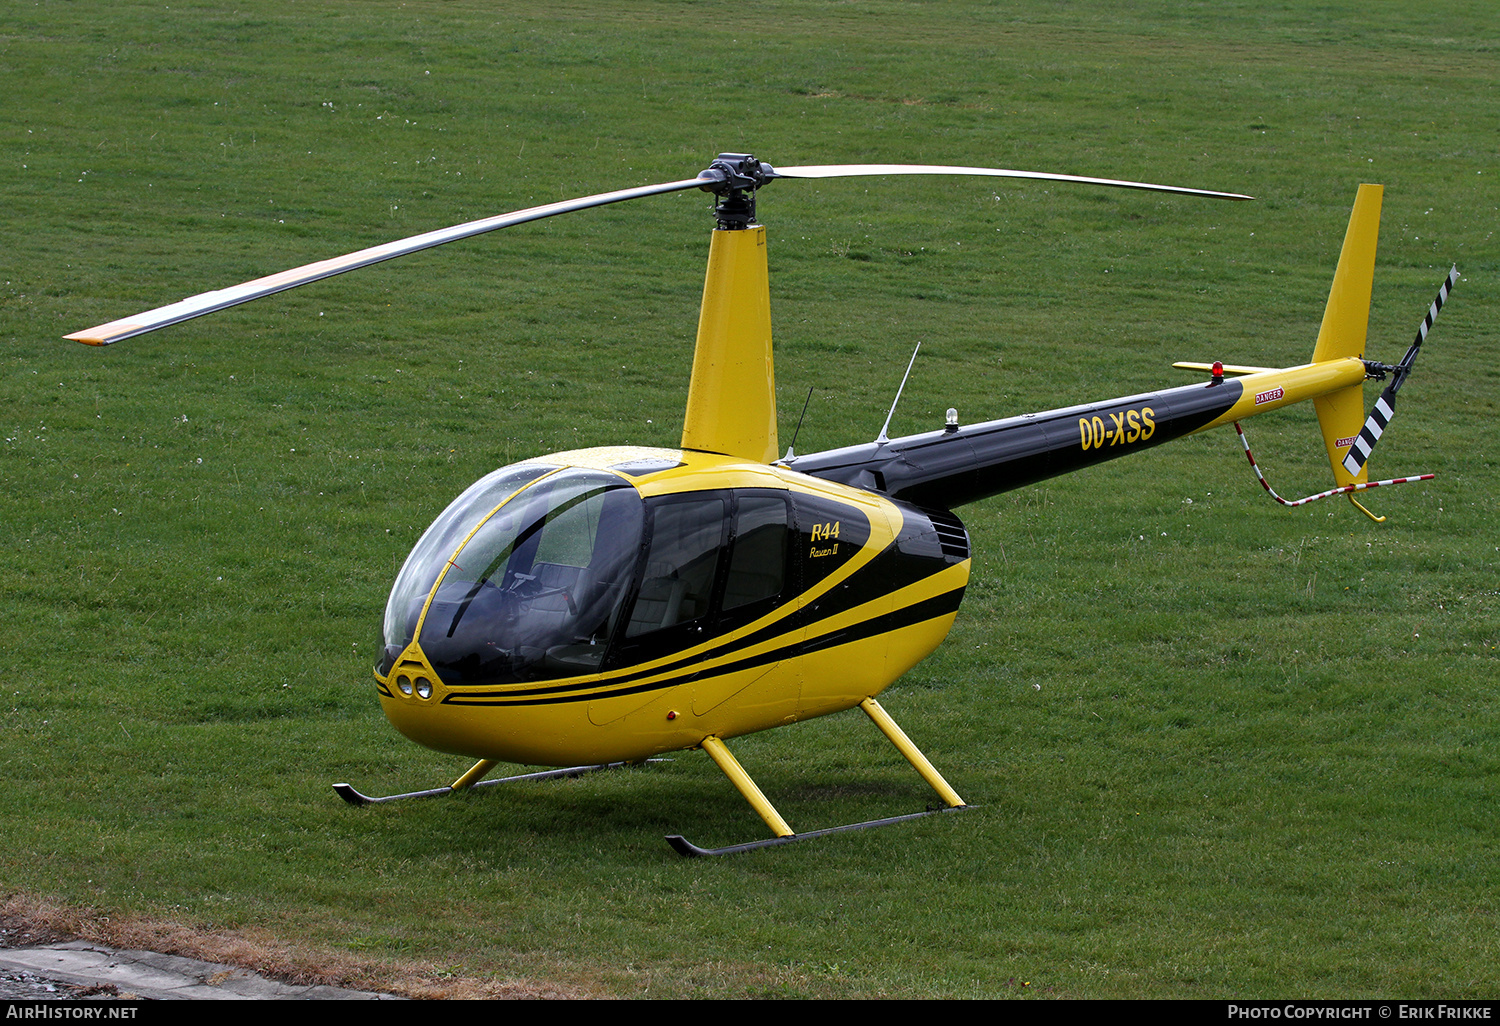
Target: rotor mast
(731, 407)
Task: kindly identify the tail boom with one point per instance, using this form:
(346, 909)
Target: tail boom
(949, 468)
(1273, 389)
(944, 469)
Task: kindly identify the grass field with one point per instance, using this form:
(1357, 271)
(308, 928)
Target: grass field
(1220, 748)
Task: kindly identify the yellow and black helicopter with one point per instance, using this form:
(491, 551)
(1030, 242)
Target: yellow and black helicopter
(603, 606)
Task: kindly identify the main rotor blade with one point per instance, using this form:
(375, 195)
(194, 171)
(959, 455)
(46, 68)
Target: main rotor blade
(208, 302)
(858, 170)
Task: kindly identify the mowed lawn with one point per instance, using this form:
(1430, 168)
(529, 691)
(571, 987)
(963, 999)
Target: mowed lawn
(1218, 748)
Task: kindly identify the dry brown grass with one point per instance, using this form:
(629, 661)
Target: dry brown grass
(31, 921)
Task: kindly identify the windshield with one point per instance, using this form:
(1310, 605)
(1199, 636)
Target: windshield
(421, 569)
(535, 591)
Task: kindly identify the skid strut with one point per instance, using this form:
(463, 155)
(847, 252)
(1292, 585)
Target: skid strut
(721, 755)
(470, 780)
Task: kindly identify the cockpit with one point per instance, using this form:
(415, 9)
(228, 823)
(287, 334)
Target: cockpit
(540, 572)
(531, 567)
(543, 572)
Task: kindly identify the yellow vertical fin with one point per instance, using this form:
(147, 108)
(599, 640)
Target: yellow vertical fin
(1348, 312)
(1340, 416)
(731, 407)
(1345, 322)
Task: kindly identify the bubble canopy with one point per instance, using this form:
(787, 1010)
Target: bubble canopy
(521, 578)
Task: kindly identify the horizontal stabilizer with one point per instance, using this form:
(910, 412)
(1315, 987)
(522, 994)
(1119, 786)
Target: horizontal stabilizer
(1227, 368)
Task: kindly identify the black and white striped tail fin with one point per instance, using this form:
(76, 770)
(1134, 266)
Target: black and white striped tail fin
(1385, 406)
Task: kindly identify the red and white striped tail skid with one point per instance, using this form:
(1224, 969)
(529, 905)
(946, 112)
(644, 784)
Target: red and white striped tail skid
(1385, 406)
(1346, 489)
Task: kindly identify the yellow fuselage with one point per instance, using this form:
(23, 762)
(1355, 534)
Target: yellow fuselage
(823, 648)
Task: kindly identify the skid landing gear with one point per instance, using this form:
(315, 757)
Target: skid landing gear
(784, 833)
(471, 780)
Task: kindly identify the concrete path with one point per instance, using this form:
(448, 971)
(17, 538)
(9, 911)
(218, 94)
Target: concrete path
(34, 973)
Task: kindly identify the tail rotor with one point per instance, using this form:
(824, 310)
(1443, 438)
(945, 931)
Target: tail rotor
(1338, 411)
(1385, 406)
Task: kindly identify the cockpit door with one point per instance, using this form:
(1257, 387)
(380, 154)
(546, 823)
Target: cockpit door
(715, 565)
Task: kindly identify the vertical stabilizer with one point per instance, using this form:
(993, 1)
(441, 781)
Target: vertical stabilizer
(731, 407)
(1342, 335)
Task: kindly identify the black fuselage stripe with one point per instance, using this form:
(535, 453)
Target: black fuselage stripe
(907, 616)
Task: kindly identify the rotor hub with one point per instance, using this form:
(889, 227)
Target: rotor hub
(734, 178)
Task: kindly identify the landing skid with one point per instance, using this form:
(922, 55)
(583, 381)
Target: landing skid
(731, 768)
(465, 783)
(682, 846)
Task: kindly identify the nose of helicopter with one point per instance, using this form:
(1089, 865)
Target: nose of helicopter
(410, 676)
(416, 700)
(411, 695)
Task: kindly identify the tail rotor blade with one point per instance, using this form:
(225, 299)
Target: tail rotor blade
(1410, 358)
(1380, 415)
(1385, 407)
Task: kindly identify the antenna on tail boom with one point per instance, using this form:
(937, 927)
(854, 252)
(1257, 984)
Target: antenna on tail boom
(882, 438)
